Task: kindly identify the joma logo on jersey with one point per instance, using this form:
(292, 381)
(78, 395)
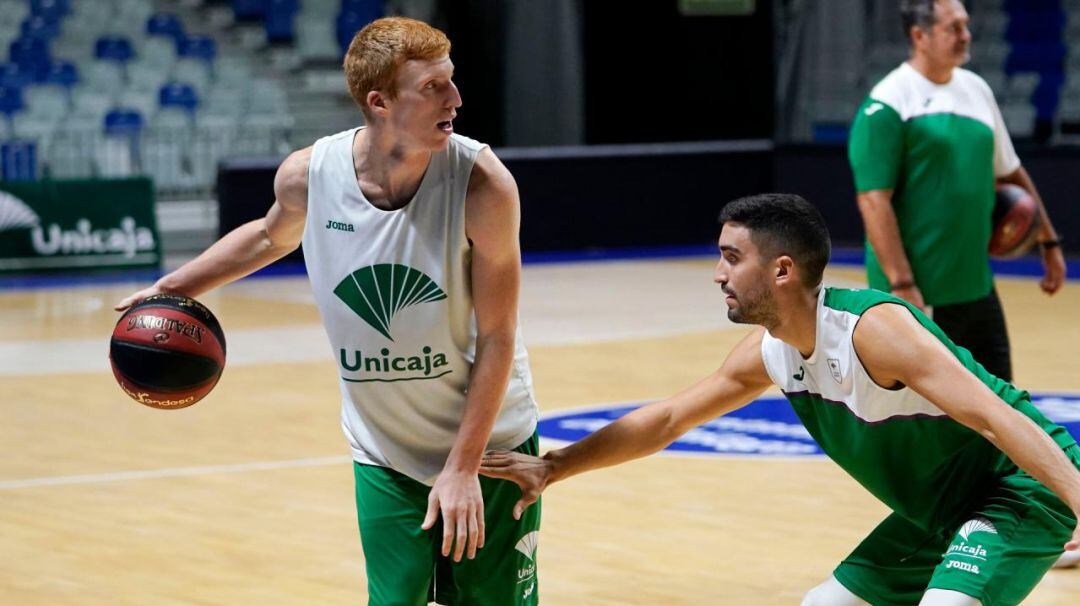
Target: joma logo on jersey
(331, 224)
(377, 293)
(972, 568)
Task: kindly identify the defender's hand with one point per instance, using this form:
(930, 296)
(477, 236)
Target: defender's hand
(457, 496)
(531, 474)
(1053, 261)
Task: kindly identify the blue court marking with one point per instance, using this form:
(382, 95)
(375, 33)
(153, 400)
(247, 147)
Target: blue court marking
(767, 427)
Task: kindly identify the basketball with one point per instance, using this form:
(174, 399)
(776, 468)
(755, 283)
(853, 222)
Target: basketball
(1015, 221)
(167, 351)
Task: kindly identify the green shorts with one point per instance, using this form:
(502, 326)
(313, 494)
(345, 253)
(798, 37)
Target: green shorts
(404, 564)
(1008, 542)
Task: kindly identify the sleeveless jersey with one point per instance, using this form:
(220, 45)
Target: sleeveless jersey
(393, 288)
(920, 462)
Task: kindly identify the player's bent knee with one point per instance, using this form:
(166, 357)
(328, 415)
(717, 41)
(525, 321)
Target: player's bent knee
(946, 597)
(832, 593)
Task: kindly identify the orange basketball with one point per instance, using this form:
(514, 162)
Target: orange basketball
(1015, 221)
(167, 351)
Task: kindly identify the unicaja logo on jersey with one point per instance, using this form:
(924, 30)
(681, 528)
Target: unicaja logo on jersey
(527, 575)
(378, 292)
(976, 525)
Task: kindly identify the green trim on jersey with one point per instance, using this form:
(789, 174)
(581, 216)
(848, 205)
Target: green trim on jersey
(941, 170)
(924, 467)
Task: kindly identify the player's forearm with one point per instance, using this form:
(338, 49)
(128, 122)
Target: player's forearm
(1035, 452)
(487, 390)
(638, 434)
(883, 232)
(1021, 177)
(239, 253)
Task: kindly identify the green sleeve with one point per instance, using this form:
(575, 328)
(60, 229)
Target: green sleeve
(876, 146)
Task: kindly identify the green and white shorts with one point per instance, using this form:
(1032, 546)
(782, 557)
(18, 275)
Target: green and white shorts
(405, 566)
(1007, 543)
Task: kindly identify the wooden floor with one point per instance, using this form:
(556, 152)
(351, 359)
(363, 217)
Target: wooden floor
(246, 498)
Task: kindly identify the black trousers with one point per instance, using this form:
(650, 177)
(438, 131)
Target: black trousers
(979, 327)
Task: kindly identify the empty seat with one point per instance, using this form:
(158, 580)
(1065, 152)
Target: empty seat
(157, 51)
(11, 100)
(147, 76)
(178, 95)
(70, 155)
(91, 105)
(46, 101)
(115, 48)
(1021, 86)
(166, 25)
(1019, 119)
(315, 40)
(194, 72)
(103, 75)
(197, 47)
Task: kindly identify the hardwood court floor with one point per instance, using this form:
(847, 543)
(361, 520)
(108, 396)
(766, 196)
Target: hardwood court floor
(246, 498)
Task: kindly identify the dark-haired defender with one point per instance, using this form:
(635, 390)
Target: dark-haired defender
(985, 490)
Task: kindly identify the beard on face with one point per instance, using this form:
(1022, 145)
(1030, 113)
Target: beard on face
(755, 306)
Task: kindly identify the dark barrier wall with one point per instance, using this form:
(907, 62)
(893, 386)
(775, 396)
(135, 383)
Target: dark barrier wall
(667, 195)
(583, 197)
(822, 175)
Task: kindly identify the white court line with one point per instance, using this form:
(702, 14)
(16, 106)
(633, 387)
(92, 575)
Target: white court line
(120, 476)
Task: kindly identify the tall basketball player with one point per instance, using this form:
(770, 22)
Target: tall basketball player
(410, 236)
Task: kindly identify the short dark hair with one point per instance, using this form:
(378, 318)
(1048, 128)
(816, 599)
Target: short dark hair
(784, 224)
(917, 12)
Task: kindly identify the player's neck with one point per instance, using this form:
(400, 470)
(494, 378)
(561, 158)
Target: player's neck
(797, 325)
(934, 72)
(388, 171)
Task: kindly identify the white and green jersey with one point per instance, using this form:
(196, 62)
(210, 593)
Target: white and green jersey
(897, 444)
(393, 288)
(939, 148)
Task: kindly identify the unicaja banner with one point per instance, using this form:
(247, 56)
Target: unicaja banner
(78, 225)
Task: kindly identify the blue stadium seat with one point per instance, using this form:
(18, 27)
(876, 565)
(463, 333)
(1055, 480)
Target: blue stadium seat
(1036, 57)
(178, 94)
(116, 48)
(36, 26)
(165, 24)
(123, 121)
(249, 10)
(198, 47)
(354, 15)
(279, 20)
(11, 100)
(50, 9)
(11, 75)
(18, 160)
(63, 73)
(32, 55)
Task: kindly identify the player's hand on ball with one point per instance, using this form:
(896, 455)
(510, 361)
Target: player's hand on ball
(135, 297)
(530, 473)
(457, 496)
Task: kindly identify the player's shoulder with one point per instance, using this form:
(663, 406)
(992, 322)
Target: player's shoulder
(895, 91)
(291, 180)
(971, 80)
(458, 141)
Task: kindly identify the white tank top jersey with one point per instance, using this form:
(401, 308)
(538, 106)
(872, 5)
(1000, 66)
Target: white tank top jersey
(393, 288)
